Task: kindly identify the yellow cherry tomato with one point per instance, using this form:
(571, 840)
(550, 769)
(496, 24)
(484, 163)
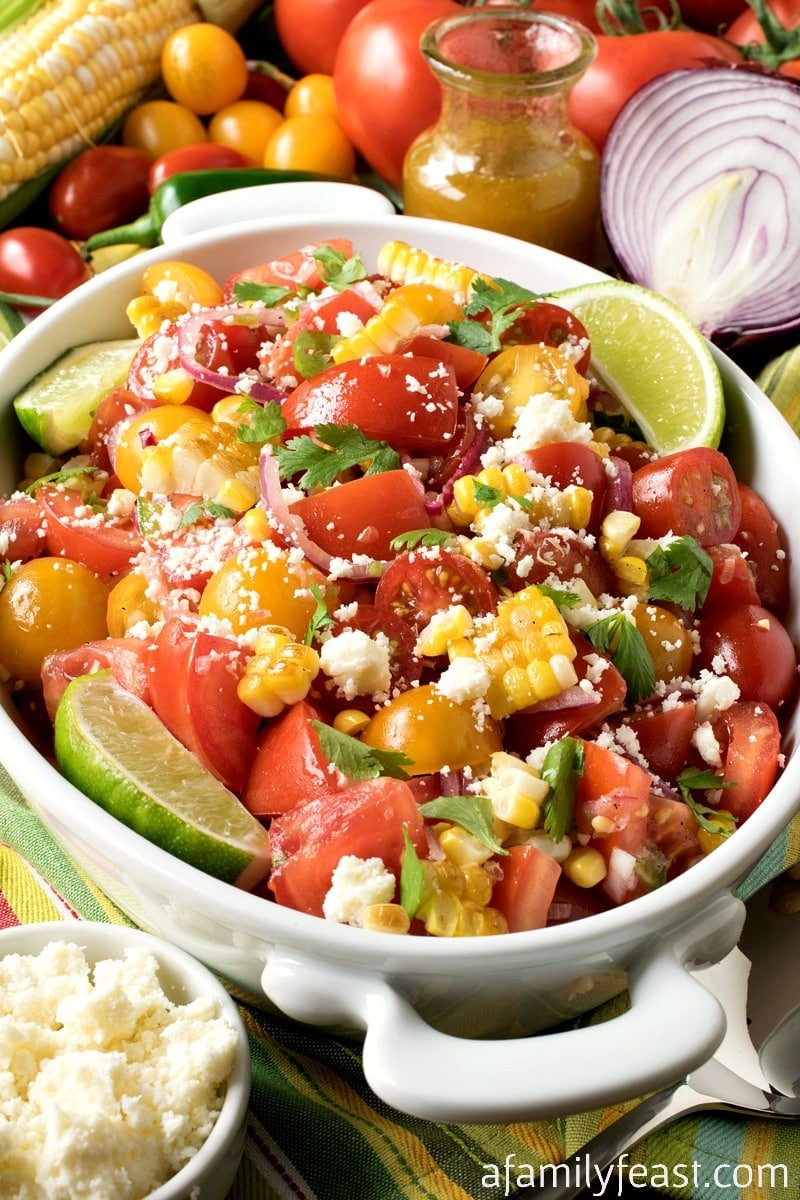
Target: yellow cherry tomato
(148, 429)
(128, 604)
(667, 639)
(203, 67)
(311, 94)
(311, 143)
(181, 283)
(262, 585)
(48, 604)
(161, 125)
(432, 731)
(517, 373)
(245, 126)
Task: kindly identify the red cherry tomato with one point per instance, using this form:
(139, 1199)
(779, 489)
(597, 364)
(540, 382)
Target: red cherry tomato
(378, 69)
(201, 156)
(754, 649)
(22, 528)
(551, 324)
(310, 32)
(750, 739)
(128, 659)
(100, 188)
(416, 586)
(228, 348)
(664, 736)
(566, 463)
(691, 493)
(760, 539)
(39, 262)
(364, 515)
(546, 554)
(624, 64)
(731, 578)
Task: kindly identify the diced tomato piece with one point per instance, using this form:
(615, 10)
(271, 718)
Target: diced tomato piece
(318, 316)
(411, 403)
(193, 691)
(364, 516)
(526, 891)
(571, 903)
(130, 661)
(466, 362)
(750, 739)
(612, 810)
(672, 829)
(664, 736)
(365, 820)
(75, 531)
(23, 532)
(298, 269)
(289, 767)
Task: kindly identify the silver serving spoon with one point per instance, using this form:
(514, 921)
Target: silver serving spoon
(756, 1068)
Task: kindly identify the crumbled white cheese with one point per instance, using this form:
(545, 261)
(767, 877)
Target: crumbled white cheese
(357, 883)
(465, 680)
(358, 664)
(107, 1088)
(714, 694)
(706, 744)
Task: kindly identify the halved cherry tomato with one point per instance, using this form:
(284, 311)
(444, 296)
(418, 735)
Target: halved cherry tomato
(731, 578)
(418, 584)
(405, 666)
(318, 316)
(120, 404)
(101, 187)
(225, 349)
(612, 811)
(193, 691)
(259, 586)
(364, 515)
(553, 325)
(761, 540)
(197, 156)
(128, 659)
(750, 739)
(289, 767)
(366, 819)
(298, 269)
(78, 531)
(411, 403)
(754, 649)
(465, 362)
(672, 829)
(554, 554)
(693, 492)
(527, 888)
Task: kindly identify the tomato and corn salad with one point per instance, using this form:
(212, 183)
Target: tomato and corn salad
(380, 553)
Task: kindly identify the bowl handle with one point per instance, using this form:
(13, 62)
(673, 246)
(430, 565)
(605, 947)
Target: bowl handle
(671, 1026)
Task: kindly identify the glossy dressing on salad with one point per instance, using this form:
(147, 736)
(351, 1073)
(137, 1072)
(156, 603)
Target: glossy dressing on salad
(380, 553)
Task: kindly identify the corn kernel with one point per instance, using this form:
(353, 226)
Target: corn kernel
(515, 480)
(631, 571)
(147, 314)
(227, 411)
(236, 495)
(585, 866)
(477, 884)
(350, 720)
(493, 922)
(385, 918)
(441, 914)
(709, 841)
(616, 532)
(256, 525)
(453, 623)
(173, 387)
(462, 848)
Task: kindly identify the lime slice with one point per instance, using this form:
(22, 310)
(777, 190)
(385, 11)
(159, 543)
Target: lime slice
(10, 324)
(112, 746)
(648, 354)
(56, 408)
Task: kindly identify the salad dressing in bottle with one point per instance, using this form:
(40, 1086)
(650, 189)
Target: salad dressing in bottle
(503, 155)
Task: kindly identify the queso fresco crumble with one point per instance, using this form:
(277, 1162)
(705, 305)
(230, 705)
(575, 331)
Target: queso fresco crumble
(107, 1088)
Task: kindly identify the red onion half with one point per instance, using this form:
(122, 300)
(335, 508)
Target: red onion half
(700, 197)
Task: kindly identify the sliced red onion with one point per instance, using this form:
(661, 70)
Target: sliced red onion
(190, 333)
(291, 529)
(700, 197)
(571, 697)
(620, 486)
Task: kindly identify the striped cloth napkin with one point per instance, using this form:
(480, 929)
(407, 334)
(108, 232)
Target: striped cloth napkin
(317, 1132)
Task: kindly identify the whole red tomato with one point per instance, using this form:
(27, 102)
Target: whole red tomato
(584, 11)
(385, 91)
(199, 156)
(39, 262)
(310, 31)
(746, 30)
(100, 188)
(624, 64)
(711, 14)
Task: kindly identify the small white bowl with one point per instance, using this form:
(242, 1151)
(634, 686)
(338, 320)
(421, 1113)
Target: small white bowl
(265, 201)
(209, 1175)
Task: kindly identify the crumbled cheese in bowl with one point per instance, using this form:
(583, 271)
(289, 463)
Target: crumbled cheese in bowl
(108, 1087)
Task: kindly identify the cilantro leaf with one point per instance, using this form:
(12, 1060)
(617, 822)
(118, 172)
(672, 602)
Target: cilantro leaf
(311, 351)
(411, 878)
(473, 813)
(679, 572)
(333, 449)
(499, 301)
(562, 598)
(693, 779)
(336, 271)
(419, 537)
(247, 291)
(620, 640)
(60, 477)
(205, 508)
(356, 760)
(265, 421)
(321, 619)
(562, 768)
(489, 497)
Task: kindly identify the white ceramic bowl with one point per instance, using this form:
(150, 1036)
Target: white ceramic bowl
(209, 1175)
(446, 1022)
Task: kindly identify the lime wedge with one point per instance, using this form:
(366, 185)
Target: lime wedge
(648, 354)
(112, 746)
(10, 324)
(56, 408)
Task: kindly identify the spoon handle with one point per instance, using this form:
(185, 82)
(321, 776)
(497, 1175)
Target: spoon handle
(593, 1163)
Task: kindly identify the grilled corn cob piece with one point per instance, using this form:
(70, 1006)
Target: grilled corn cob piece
(199, 461)
(405, 264)
(71, 69)
(405, 311)
(279, 673)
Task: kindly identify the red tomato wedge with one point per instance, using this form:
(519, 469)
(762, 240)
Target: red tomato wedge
(22, 528)
(526, 891)
(193, 691)
(411, 403)
(366, 820)
(290, 768)
(76, 531)
(466, 362)
(363, 516)
(751, 740)
(130, 661)
(319, 316)
(299, 268)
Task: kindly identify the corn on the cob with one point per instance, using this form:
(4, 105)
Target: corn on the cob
(526, 649)
(203, 462)
(404, 264)
(280, 672)
(406, 310)
(70, 70)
